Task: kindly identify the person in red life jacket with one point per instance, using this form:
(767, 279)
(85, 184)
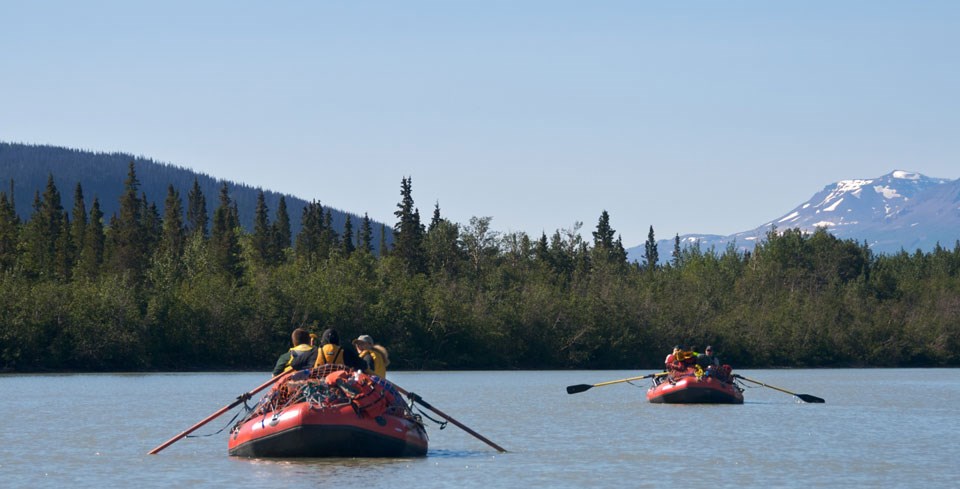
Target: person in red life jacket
(301, 356)
(373, 355)
(673, 363)
(331, 353)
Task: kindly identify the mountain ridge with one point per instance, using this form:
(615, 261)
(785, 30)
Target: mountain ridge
(102, 175)
(901, 210)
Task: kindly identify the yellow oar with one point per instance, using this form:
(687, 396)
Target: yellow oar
(574, 389)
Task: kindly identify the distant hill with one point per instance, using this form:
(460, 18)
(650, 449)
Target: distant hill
(899, 210)
(102, 175)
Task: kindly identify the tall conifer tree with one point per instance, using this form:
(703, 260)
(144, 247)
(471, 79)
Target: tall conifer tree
(650, 254)
(224, 242)
(281, 230)
(196, 211)
(262, 239)
(348, 247)
(9, 233)
(128, 236)
(173, 235)
(91, 254)
(408, 233)
(78, 227)
(366, 235)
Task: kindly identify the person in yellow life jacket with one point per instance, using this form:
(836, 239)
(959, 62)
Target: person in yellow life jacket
(373, 355)
(301, 356)
(331, 353)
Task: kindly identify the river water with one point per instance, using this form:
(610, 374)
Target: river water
(878, 428)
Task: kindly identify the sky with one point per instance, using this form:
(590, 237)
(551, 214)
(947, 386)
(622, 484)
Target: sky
(690, 117)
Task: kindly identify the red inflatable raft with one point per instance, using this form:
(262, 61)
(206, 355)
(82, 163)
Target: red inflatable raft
(332, 411)
(689, 388)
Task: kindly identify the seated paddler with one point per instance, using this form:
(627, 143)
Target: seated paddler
(331, 353)
(302, 355)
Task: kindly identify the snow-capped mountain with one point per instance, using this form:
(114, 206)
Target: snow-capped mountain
(899, 210)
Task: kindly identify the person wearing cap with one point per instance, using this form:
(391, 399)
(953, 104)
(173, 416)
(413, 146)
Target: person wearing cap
(373, 355)
(707, 359)
(331, 353)
(301, 356)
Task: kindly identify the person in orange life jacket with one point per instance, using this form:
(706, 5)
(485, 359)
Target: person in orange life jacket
(373, 355)
(301, 356)
(331, 352)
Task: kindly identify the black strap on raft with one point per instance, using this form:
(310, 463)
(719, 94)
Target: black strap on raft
(246, 410)
(413, 399)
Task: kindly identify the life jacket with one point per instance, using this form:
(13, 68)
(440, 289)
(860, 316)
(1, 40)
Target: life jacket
(301, 357)
(687, 357)
(366, 397)
(329, 354)
(380, 360)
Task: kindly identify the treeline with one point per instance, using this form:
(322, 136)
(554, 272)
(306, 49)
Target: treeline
(171, 288)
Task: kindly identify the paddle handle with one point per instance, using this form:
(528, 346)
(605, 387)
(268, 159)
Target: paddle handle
(213, 416)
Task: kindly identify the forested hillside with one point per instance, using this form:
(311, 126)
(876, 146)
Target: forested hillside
(153, 290)
(101, 175)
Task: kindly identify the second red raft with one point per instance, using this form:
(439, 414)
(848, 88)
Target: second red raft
(690, 388)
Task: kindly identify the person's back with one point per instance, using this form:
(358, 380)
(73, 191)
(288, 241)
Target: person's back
(301, 356)
(331, 353)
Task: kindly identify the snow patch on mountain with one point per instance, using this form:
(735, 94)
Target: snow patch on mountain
(899, 210)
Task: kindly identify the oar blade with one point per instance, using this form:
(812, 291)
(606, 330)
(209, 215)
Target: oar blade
(576, 389)
(811, 399)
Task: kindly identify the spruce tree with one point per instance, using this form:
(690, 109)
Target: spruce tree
(196, 211)
(9, 233)
(262, 239)
(128, 236)
(383, 250)
(676, 250)
(152, 225)
(43, 243)
(366, 234)
(78, 227)
(408, 233)
(224, 242)
(94, 241)
(329, 239)
(348, 247)
(650, 254)
(173, 235)
(311, 226)
(281, 231)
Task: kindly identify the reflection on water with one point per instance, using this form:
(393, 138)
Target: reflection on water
(884, 428)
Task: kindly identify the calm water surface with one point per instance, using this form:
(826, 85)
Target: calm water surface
(880, 428)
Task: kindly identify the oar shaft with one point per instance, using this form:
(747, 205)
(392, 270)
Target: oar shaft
(213, 416)
(623, 380)
(767, 385)
(449, 418)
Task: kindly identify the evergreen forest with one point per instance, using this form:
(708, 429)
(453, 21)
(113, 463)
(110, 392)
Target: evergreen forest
(170, 286)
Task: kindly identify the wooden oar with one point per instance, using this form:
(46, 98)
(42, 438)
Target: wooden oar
(575, 389)
(803, 397)
(210, 418)
(415, 398)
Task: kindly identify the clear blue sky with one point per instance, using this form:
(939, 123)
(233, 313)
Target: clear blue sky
(692, 117)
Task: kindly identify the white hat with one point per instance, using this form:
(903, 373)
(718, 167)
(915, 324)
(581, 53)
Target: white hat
(364, 338)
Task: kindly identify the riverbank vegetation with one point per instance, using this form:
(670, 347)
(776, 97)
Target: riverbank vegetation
(169, 288)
